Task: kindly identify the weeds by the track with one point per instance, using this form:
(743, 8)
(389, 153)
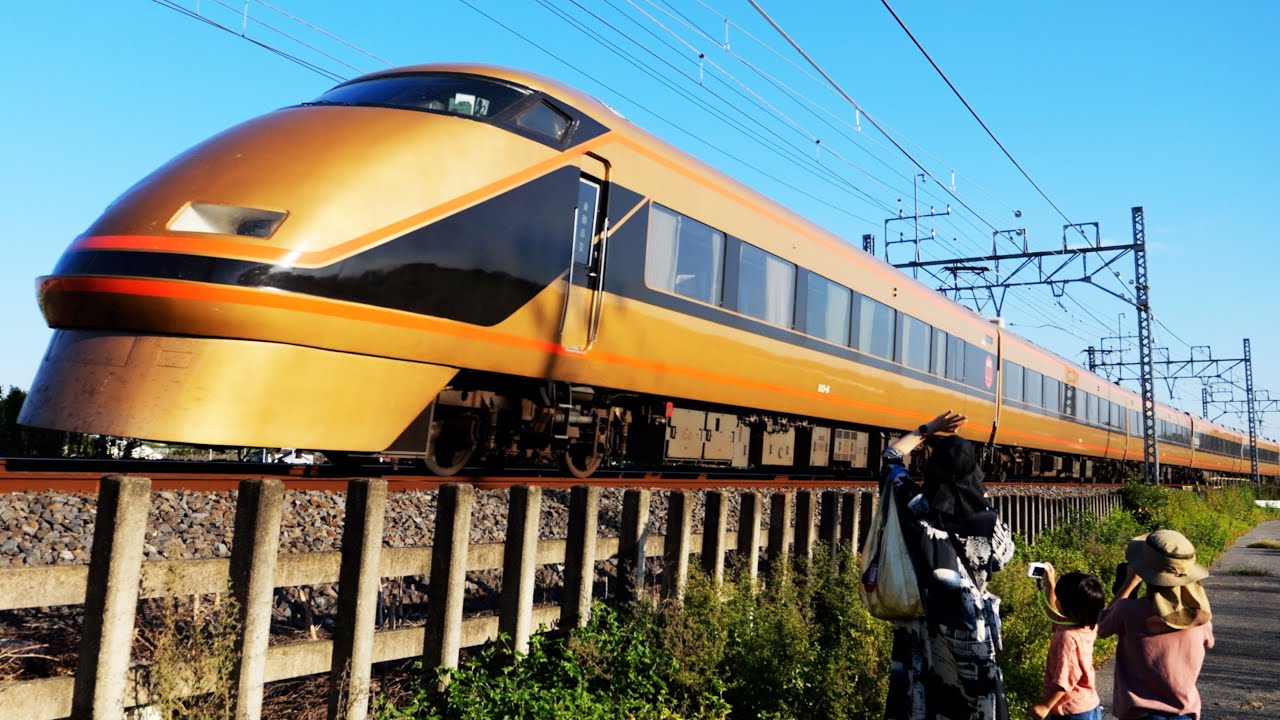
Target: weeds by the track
(191, 645)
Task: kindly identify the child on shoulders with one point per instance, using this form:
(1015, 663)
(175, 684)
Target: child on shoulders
(1069, 683)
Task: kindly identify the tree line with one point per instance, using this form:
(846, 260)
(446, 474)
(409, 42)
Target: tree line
(25, 441)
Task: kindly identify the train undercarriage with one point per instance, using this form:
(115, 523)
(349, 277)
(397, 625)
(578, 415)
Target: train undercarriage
(485, 420)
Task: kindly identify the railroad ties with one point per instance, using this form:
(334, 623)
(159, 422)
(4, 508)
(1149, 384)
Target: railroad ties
(646, 564)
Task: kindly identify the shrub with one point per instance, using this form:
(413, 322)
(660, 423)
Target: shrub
(802, 646)
(612, 668)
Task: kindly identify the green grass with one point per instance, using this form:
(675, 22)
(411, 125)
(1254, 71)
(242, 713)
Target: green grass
(1266, 544)
(1247, 571)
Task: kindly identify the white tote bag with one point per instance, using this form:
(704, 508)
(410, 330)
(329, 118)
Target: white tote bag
(889, 588)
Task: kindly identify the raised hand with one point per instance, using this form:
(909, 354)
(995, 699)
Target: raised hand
(946, 422)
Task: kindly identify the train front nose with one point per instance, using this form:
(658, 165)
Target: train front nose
(167, 328)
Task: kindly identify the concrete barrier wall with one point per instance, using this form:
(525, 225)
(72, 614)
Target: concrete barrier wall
(102, 687)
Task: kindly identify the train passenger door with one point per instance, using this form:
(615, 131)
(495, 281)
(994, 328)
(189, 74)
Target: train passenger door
(584, 285)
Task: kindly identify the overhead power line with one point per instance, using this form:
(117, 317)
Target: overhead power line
(313, 67)
(870, 119)
(972, 112)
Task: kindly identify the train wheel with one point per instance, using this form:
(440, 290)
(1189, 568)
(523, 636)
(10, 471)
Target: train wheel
(451, 447)
(446, 462)
(578, 461)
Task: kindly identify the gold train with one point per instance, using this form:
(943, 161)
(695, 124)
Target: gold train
(471, 264)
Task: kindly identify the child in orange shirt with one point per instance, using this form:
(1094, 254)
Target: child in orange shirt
(1069, 688)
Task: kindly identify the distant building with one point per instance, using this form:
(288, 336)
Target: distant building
(295, 457)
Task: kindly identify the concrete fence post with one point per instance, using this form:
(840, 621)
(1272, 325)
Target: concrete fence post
(749, 534)
(631, 543)
(111, 598)
(805, 511)
(358, 579)
(580, 555)
(448, 578)
(868, 507)
(678, 544)
(1028, 519)
(715, 528)
(850, 509)
(781, 506)
(254, 548)
(519, 565)
(829, 521)
(1042, 515)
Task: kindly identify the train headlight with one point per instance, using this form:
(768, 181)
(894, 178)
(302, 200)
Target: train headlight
(227, 220)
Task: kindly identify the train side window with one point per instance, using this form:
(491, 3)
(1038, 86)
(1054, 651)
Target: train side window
(1117, 416)
(955, 358)
(684, 256)
(1052, 394)
(1091, 408)
(939, 364)
(913, 342)
(766, 286)
(1135, 422)
(827, 310)
(975, 367)
(1033, 388)
(875, 326)
(1012, 381)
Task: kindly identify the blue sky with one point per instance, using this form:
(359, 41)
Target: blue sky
(1168, 105)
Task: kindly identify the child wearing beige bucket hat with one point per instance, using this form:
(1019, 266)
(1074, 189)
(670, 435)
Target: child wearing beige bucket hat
(1163, 636)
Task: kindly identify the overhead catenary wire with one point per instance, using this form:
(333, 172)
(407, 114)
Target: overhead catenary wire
(738, 88)
(828, 176)
(324, 32)
(972, 112)
(642, 107)
(278, 31)
(313, 67)
(875, 123)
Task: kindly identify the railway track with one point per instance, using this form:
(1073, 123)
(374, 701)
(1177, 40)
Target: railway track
(83, 476)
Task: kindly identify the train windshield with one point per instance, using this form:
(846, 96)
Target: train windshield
(452, 94)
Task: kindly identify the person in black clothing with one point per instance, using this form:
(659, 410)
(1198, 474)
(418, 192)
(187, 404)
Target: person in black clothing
(944, 665)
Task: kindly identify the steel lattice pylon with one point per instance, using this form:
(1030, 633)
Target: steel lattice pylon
(1150, 451)
(1253, 418)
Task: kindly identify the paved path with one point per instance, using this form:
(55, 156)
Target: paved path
(1241, 675)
